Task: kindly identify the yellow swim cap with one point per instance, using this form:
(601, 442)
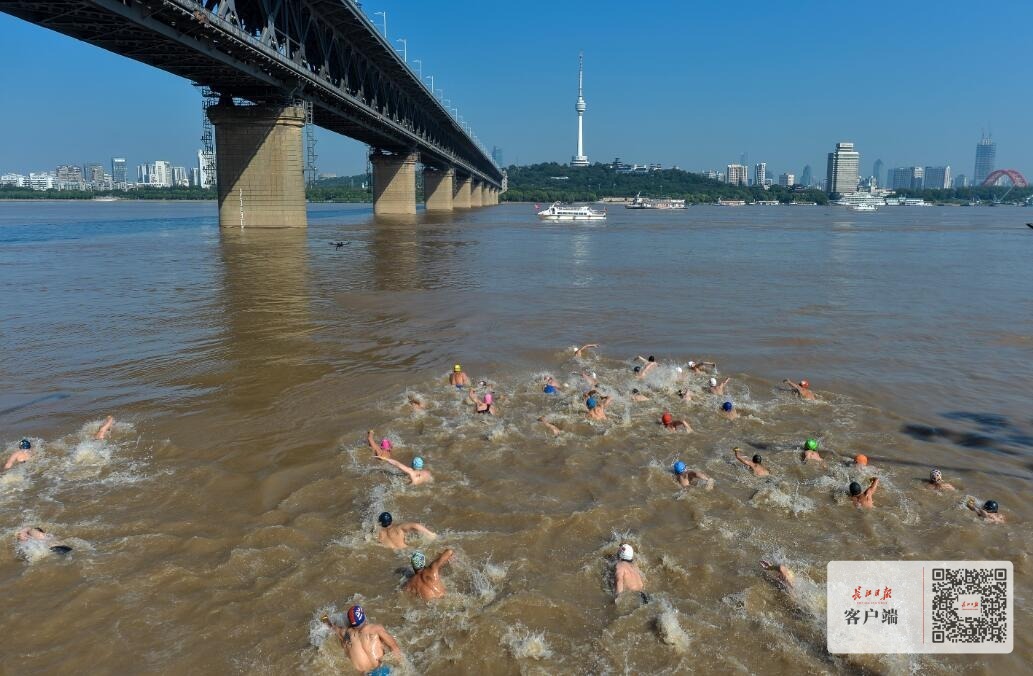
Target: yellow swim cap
(457, 368)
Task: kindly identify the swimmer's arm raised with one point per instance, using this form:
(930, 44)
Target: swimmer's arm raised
(442, 559)
(372, 444)
(577, 352)
(872, 486)
(400, 466)
(743, 459)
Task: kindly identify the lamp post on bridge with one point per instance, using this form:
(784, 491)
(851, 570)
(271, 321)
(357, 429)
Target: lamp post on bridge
(383, 14)
(419, 69)
(405, 49)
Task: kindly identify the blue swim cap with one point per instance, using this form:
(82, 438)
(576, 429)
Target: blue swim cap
(417, 462)
(25, 444)
(591, 403)
(356, 616)
(549, 389)
(679, 467)
(385, 519)
(990, 506)
(418, 561)
(727, 406)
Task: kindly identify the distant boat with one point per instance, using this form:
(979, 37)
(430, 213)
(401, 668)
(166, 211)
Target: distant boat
(863, 207)
(559, 212)
(105, 198)
(730, 203)
(640, 202)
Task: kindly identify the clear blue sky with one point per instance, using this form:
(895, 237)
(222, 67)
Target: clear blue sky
(688, 83)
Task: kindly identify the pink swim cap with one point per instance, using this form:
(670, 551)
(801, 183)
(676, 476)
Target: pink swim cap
(488, 398)
(385, 444)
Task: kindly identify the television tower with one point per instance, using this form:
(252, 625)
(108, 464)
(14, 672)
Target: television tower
(580, 160)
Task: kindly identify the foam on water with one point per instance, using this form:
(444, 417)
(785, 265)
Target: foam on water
(669, 629)
(526, 644)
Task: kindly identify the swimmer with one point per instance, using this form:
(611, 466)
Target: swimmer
(579, 350)
(37, 533)
(863, 498)
(552, 386)
(936, 481)
(105, 429)
(549, 426)
(381, 450)
(988, 512)
(727, 411)
(457, 378)
(782, 574)
(363, 641)
(669, 423)
(643, 370)
(691, 477)
(417, 475)
(700, 366)
(626, 575)
(810, 451)
(861, 460)
(651, 359)
(590, 379)
(23, 454)
(638, 396)
(427, 583)
(717, 388)
(416, 403)
(755, 465)
(486, 406)
(597, 407)
(685, 395)
(803, 389)
(393, 536)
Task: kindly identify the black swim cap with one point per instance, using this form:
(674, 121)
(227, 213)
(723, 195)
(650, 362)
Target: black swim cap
(61, 549)
(635, 391)
(855, 488)
(637, 369)
(990, 506)
(652, 358)
(757, 458)
(25, 444)
(385, 519)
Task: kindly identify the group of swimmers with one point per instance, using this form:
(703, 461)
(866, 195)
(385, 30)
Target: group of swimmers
(364, 642)
(24, 454)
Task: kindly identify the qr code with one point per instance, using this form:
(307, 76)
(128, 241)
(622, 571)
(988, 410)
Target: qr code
(970, 605)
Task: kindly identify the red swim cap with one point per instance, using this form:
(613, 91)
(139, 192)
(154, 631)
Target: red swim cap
(666, 418)
(861, 459)
(804, 383)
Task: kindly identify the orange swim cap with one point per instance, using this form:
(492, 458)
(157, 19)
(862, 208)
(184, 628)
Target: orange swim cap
(804, 383)
(861, 459)
(666, 418)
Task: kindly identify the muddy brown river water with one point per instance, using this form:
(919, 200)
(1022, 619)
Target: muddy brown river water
(236, 499)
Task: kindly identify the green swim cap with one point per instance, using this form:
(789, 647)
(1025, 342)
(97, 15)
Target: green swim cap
(811, 445)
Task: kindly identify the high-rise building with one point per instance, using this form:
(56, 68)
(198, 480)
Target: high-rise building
(119, 177)
(496, 156)
(206, 169)
(94, 174)
(877, 172)
(143, 173)
(937, 178)
(843, 167)
(787, 180)
(986, 155)
(961, 181)
(179, 177)
(195, 177)
(760, 174)
(806, 179)
(161, 174)
(580, 160)
(736, 174)
(907, 178)
(41, 180)
(69, 172)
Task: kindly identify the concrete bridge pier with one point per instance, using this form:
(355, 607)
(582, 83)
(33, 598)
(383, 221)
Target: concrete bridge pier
(259, 165)
(477, 194)
(438, 189)
(464, 186)
(394, 183)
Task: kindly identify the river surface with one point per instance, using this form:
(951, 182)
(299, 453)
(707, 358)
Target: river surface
(236, 499)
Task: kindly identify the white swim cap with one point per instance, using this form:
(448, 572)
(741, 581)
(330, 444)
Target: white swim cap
(691, 363)
(678, 369)
(713, 382)
(593, 374)
(626, 553)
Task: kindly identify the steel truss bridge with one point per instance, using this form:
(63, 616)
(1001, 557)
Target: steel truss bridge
(274, 51)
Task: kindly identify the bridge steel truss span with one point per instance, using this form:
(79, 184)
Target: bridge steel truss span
(276, 51)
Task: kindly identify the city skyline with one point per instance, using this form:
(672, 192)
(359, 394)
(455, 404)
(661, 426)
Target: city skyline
(700, 113)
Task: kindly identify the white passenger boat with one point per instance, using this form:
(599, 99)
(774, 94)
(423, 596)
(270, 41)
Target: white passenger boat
(561, 212)
(863, 207)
